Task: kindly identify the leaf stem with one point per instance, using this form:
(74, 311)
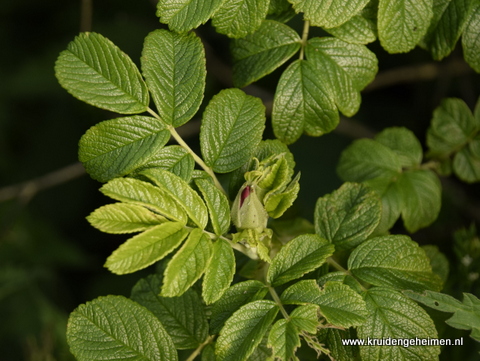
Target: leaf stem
(306, 28)
(277, 300)
(199, 349)
(339, 267)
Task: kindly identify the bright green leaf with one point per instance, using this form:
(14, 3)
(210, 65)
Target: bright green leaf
(277, 203)
(305, 318)
(347, 68)
(232, 128)
(183, 317)
(466, 314)
(217, 204)
(466, 166)
(188, 264)
(301, 255)
(116, 147)
(471, 39)
(328, 13)
(347, 216)
(284, 340)
(394, 316)
(219, 273)
(146, 248)
(301, 293)
(174, 69)
(360, 29)
(403, 23)
(102, 330)
(260, 53)
(244, 330)
(367, 159)
(123, 218)
(181, 192)
(185, 15)
(302, 103)
(130, 190)
(396, 261)
(237, 295)
(404, 143)
(238, 18)
(97, 72)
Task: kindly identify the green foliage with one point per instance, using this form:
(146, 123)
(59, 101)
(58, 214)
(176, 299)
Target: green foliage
(289, 285)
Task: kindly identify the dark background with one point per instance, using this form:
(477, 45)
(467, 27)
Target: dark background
(51, 260)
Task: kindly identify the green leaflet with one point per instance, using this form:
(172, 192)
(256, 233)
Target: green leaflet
(263, 51)
(183, 317)
(305, 318)
(185, 15)
(403, 23)
(348, 216)
(446, 27)
(328, 13)
(393, 315)
(396, 261)
(302, 103)
(467, 166)
(301, 255)
(181, 192)
(284, 340)
(116, 147)
(188, 264)
(234, 297)
(219, 273)
(97, 72)
(232, 128)
(146, 248)
(438, 261)
(130, 190)
(404, 143)
(466, 315)
(173, 158)
(347, 68)
(244, 330)
(471, 38)
(106, 324)
(174, 69)
(217, 204)
(238, 18)
(301, 293)
(123, 218)
(333, 340)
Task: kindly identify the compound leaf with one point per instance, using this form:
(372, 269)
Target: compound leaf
(183, 317)
(219, 273)
(106, 326)
(232, 128)
(174, 69)
(97, 72)
(116, 147)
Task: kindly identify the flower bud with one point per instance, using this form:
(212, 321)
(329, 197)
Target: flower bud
(248, 211)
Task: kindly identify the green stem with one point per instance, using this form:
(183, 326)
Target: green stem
(306, 28)
(277, 300)
(199, 349)
(185, 146)
(339, 267)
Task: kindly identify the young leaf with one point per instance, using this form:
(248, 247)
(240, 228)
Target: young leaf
(237, 295)
(97, 72)
(183, 317)
(347, 68)
(219, 273)
(263, 51)
(305, 318)
(404, 143)
(146, 248)
(105, 326)
(394, 316)
(302, 103)
(328, 13)
(471, 39)
(403, 23)
(185, 15)
(181, 192)
(277, 203)
(284, 340)
(301, 255)
(466, 166)
(174, 69)
(238, 18)
(348, 216)
(188, 264)
(244, 330)
(217, 204)
(466, 315)
(130, 190)
(116, 147)
(232, 128)
(120, 218)
(396, 261)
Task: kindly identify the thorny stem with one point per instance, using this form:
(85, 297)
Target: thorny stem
(306, 28)
(199, 349)
(185, 146)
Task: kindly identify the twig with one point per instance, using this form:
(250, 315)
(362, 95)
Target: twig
(86, 16)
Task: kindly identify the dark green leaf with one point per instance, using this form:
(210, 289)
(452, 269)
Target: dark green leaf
(471, 38)
(283, 338)
(404, 143)
(466, 166)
